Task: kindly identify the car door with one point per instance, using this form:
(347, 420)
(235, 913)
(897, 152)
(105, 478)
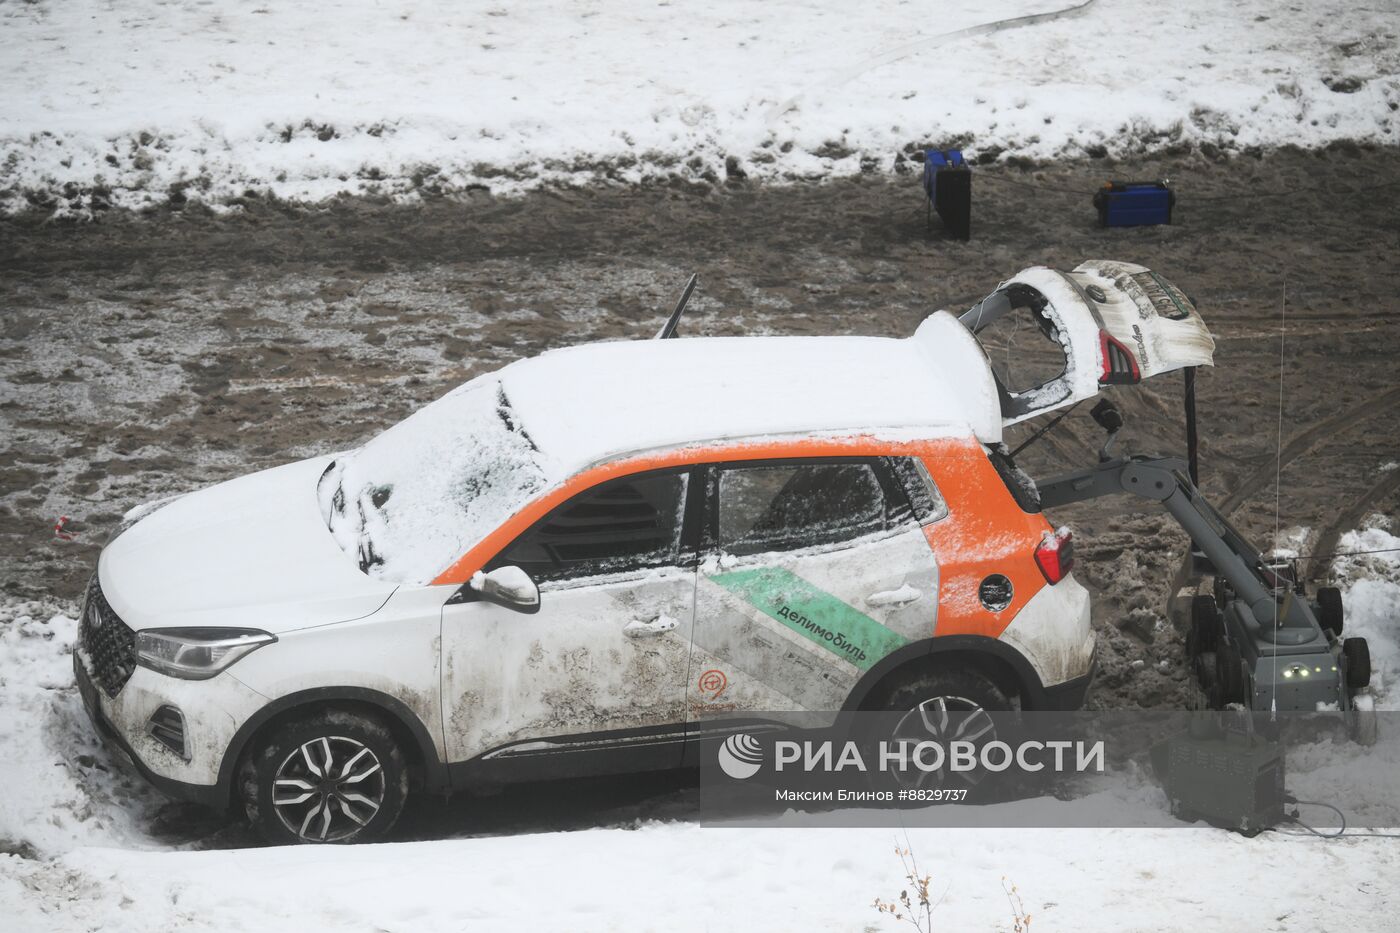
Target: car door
(816, 570)
(1055, 338)
(594, 681)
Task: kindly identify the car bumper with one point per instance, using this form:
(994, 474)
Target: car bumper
(1071, 694)
(121, 722)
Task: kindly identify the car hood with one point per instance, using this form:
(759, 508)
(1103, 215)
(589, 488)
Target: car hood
(252, 552)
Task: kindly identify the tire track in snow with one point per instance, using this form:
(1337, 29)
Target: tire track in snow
(1268, 471)
(890, 56)
(1305, 441)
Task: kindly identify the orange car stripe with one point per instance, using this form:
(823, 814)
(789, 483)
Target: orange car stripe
(855, 446)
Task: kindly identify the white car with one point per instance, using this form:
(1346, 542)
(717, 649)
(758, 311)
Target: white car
(600, 559)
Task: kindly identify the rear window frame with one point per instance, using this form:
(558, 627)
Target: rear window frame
(1006, 469)
(899, 511)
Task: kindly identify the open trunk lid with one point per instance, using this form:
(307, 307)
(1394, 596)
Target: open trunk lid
(1104, 323)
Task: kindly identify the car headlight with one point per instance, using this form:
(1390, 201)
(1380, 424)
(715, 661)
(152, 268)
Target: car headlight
(196, 653)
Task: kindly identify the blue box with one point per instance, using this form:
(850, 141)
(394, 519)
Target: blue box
(1134, 203)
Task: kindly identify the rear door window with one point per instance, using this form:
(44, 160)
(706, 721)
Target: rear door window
(925, 501)
(783, 507)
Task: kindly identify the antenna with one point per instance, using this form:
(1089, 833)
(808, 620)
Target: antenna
(669, 329)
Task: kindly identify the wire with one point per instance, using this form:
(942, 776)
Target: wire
(1311, 830)
(1289, 192)
(1045, 430)
(1373, 835)
(1077, 192)
(1317, 832)
(897, 53)
(1194, 198)
(1379, 550)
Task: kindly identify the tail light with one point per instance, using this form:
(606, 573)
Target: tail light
(1119, 365)
(1055, 555)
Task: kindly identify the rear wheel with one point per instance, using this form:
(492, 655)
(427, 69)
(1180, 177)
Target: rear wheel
(943, 707)
(331, 777)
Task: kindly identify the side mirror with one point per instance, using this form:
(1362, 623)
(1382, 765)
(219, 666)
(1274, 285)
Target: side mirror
(507, 586)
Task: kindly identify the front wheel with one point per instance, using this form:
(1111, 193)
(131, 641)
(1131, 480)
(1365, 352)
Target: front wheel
(333, 776)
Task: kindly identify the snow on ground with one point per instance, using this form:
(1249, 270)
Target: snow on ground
(128, 103)
(1370, 585)
(81, 855)
(61, 788)
(681, 876)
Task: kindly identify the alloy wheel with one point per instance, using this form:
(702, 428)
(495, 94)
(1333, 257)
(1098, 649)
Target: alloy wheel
(942, 720)
(328, 789)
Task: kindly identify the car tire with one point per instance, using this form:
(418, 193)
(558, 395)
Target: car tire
(334, 776)
(962, 683)
(1329, 609)
(966, 694)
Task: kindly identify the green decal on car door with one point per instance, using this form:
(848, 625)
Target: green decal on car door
(813, 613)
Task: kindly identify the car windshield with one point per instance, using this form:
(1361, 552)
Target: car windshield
(410, 502)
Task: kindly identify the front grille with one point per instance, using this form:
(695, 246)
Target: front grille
(105, 644)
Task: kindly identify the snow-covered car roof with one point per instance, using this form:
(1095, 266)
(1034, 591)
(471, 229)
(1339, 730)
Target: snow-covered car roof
(590, 403)
(431, 487)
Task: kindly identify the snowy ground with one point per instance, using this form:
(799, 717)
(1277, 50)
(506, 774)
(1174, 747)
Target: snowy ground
(1371, 594)
(146, 356)
(131, 103)
(678, 876)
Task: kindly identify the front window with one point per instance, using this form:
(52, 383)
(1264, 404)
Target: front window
(410, 502)
(621, 526)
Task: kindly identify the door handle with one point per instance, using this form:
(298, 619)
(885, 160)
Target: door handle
(902, 596)
(658, 626)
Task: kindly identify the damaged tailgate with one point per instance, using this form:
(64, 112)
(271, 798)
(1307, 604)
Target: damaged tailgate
(1054, 338)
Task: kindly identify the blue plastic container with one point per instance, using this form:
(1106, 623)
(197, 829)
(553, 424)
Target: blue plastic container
(1134, 203)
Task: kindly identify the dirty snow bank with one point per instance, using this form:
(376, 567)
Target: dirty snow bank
(133, 103)
(1370, 585)
(61, 788)
(679, 876)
